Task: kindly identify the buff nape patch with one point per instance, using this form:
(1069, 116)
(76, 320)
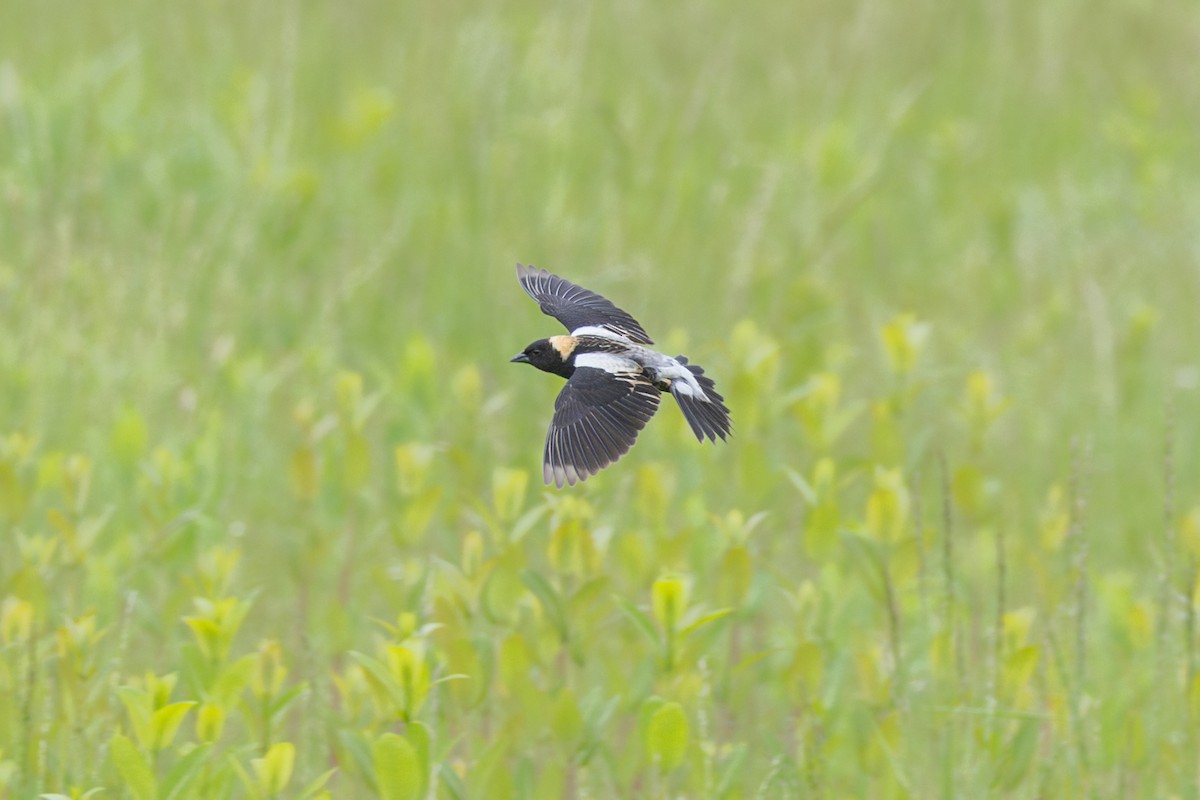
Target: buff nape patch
(565, 345)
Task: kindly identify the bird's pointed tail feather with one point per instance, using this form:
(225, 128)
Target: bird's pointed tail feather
(707, 417)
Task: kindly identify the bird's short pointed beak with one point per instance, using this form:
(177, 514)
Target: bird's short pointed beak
(520, 358)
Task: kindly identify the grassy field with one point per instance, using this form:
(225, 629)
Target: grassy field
(271, 516)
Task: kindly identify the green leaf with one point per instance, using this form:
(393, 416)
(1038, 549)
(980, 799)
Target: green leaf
(669, 597)
(646, 712)
(397, 767)
(640, 619)
(305, 473)
(1017, 757)
(418, 513)
(410, 669)
(503, 590)
(13, 494)
(251, 785)
(868, 562)
(523, 781)
(808, 666)
(166, 721)
(132, 765)
(734, 575)
(509, 488)
(129, 436)
(750, 659)
(549, 598)
(453, 783)
(274, 769)
(380, 675)
(358, 746)
(418, 734)
(839, 421)
(704, 620)
(317, 784)
(455, 677)
(179, 779)
(803, 486)
(137, 704)
(732, 770)
(358, 462)
(566, 720)
(587, 594)
(667, 736)
(490, 774)
(1020, 666)
(280, 703)
(348, 393)
(526, 522)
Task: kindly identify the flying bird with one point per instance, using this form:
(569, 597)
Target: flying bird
(613, 380)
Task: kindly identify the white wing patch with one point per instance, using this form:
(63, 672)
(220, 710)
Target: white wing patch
(595, 330)
(609, 362)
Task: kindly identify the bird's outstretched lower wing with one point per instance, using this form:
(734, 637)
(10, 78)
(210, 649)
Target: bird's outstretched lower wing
(576, 307)
(597, 418)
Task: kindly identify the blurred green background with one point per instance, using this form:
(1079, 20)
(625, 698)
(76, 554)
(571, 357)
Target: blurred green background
(258, 299)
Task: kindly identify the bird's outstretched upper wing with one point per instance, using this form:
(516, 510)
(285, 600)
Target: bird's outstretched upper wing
(597, 418)
(577, 307)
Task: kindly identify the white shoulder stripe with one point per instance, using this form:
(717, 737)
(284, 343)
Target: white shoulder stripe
(595, 330)
(609, 362)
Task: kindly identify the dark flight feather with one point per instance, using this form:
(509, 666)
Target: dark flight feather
(576, 307)
(597, 418)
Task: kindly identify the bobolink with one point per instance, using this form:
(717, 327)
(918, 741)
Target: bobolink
(613, 380)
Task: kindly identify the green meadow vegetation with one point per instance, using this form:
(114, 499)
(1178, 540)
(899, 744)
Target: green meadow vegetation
(271, 514)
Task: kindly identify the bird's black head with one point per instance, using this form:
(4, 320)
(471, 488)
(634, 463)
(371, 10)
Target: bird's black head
(549, 355)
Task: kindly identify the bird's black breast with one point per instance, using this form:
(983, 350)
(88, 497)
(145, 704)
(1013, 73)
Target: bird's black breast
(566, 369)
